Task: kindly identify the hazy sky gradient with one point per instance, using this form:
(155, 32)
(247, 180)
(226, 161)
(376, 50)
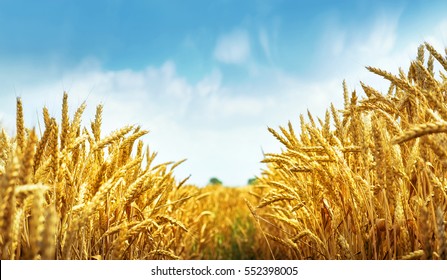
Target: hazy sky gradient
(205, 77)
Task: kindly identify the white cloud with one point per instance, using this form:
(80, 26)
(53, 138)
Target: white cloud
(233, 48)
(347, 50)
(382, 37)
(442, 29)
(210, 84)
(265, 43)
(438, 39)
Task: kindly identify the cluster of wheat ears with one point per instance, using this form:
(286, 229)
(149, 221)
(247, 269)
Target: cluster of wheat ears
(366, 182)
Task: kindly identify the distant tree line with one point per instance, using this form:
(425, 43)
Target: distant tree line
(215, 181)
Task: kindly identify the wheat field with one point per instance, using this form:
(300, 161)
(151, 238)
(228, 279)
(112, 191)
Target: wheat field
(367, 181)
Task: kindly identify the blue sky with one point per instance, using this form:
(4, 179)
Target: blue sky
(205, 77)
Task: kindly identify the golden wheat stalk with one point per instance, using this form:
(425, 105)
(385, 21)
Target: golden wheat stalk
(421, 130)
